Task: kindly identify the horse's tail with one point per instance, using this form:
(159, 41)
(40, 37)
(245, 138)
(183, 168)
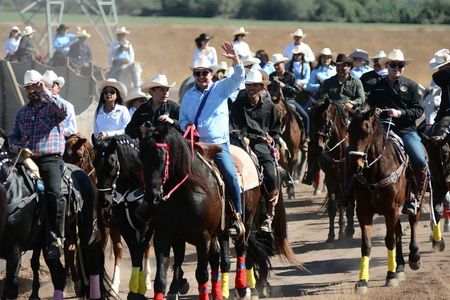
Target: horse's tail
(2, 209)
(260, 249)
(281, 243)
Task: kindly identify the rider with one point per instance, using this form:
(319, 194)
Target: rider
(205, 105)
(256, 116)
(61, 43)
(38, 126)
(398, 97)
(371, 78)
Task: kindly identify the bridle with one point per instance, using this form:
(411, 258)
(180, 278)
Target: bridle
(326, 135)
(113, 186)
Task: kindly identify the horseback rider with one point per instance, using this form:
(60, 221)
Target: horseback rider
(398, 97)
(361, 63)
(256, 116)
(113, 57)
(298, 36)
(206, 106)
(25, 52)
(11, 43)
(157, 109)
(80, 53)
(61, 44)
(369, 79)
(38, 126)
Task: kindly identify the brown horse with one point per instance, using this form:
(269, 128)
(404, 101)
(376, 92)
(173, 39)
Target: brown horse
(380, 186)
(327, 147)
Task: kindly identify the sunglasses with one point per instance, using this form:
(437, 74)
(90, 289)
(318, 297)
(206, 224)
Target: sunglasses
(399, 65)
(203, 73)
(109, 91)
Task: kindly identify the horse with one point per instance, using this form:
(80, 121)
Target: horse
(119, 182)
(379, 185)
(327, 147)
(128, 74)
(24, 228)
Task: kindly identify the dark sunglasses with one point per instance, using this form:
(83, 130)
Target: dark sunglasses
(395, 64)
(109, 91)
(203, 73)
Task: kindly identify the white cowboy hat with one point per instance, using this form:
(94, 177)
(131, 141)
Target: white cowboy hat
(15, 28)
(135, 93)
(222, 66)
(60, 81)
(441, 58)
(122, 30)
(28, 30)
(298, 32)
(264, 73)
(157, 80)
(359, 53)
(298, 49)
(240, 30)
(31, 77)
(250, 60)
(394, 55)
(255, 76)
(83, 33)
(326, 51)
(278, 58)
(202, 62)
(49, 77)
(379, 54)
(100, 85)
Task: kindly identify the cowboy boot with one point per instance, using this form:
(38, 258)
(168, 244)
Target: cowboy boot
(56, 220)
(419, 188)
(272, 200)
(237, 228)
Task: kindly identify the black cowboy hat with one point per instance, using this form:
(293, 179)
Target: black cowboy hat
(344, 59)
(203, 37)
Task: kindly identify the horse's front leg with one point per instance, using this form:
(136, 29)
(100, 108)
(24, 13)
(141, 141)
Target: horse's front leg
(399, 252)
(414, 254)
(35, 265)
(161, 244)
(365, 222)
(11, 288)
(179, 284)
(350, 213)
(201, 273)
(214, 262)
(437, 240)
(57, 273)
(242, 292)
(225, 264)
(117, 246)
(331, 215)
(391, 221)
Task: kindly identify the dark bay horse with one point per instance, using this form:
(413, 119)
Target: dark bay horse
(380, 186)
(24, 229)
(327, 147)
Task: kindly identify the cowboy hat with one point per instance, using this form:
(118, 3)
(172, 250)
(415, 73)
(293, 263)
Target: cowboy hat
(203, 37)
(31, 77)
(240, 31)
(60, 81)
(135, 93)
(394, 55)
(122, 30)
(202, 62)
(83, 33)
(28, 30)
(379, 54)
(343, 59)
(298, 32)
(278, 58)
(15, 28)
(255, 76)
(222, 66)
(298, 49)
(264, 73)
(360, 53)
(250, 60)
(441, 58)
(157, 80)
(100, 85)
(49, 77)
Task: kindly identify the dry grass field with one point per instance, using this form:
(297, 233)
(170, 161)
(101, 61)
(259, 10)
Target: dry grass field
(168, 48)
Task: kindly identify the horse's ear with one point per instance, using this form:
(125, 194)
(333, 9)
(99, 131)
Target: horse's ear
(370, 113)
(94, 141)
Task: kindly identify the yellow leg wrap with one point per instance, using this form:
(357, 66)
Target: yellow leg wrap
(134, 280)
(142, 285)
(225, 285)
(364, 268)
(251, 280)
(392, 264)
(437, 235)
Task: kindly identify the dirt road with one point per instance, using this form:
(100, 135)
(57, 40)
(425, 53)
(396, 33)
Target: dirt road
(332, 269)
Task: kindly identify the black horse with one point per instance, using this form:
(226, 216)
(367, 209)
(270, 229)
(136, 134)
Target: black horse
(120, 186)
(24, 227)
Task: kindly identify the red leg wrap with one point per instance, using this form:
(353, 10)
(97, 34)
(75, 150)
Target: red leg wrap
(241, 275)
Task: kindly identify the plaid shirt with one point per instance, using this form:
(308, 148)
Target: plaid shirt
(40, 129)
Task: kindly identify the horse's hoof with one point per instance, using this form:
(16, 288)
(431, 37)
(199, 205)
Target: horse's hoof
(254, 294)
(330, 240)
(438, 246)
(244, 293)
(172, 296)
(184, 287)
(392, 279)
(361, 287)
(135, 296)
(349, 232)
(415, 262)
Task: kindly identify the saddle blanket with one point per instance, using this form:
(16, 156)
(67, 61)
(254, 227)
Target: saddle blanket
(245, 168)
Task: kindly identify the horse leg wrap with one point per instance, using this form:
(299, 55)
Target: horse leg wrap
(225, 283)
(216, 290)
(251, 280)
(437, 235)
(241, 280)
(364, 268)
(94, 282)
(447, 213)
(58, 295)
(134, 280)
(116, 279)
(158, 296)
(392, 264)
(142, 284)
(147, 271)
(203, 291)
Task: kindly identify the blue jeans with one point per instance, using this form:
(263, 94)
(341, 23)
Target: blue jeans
(225, 165)
(414, 148)
(302, 113)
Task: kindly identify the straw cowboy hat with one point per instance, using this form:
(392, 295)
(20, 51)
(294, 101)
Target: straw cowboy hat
(15, 28)
(249, 60)
(49, 77)
(83, 33)
(28, 30)
(360, 53)
(394, 55)
(202, 62)
(441, 58)
(298, 32)
(379, 54)
(298, 49)
(278, 58)
(114, 83)
(222, 66)
(157, 80)
(122, 30)
(255, 76)
(240, 31)
(135, 93)
(31, 77)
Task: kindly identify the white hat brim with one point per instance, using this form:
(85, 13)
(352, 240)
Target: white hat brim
(118, 85)
(151, 84)
(385, 60)
(435, 65)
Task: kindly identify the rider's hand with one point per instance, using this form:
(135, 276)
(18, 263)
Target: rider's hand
(392, 112)
(282, 85)
(378, 111)
(230, 52)
(165, 119)
(348, 105)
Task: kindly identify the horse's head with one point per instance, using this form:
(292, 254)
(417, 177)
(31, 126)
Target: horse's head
(107, 167)
(321, 122)
(76, 150)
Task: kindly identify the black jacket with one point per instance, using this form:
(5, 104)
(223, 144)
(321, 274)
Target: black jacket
(289, 91)
(442, 79)
(369, 80)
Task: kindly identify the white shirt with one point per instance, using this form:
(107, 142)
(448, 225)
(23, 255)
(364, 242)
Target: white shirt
(309, 56)
(10, 46)
(114, 122)
(241, 48)
(112, 51)
(431, 102)
(211, 55)
(70, 122)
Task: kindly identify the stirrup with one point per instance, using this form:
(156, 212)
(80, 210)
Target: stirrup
(266, 225)
(237, 229)
(410, 208)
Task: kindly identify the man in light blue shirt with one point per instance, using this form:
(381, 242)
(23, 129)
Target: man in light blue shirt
(212, 120)
(361, 63)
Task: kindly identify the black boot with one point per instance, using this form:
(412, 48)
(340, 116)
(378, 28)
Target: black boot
(419, 188)
(56, 219)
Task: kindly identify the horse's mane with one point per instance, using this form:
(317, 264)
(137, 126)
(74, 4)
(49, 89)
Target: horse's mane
(378, 133)
(128, 152)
